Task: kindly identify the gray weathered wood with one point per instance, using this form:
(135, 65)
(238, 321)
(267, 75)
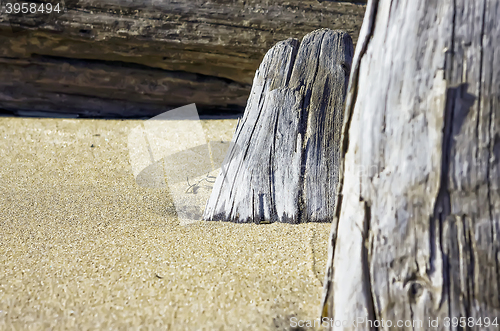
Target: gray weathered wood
(283, 164)
(418, 228)
(95, 88)
(206, 51)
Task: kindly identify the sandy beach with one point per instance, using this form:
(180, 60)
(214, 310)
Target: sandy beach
(83, 247)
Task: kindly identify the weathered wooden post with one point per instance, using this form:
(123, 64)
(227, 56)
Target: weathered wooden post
(417, 238)
(283, 164)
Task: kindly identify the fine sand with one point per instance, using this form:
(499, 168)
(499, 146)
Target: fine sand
(83, 246)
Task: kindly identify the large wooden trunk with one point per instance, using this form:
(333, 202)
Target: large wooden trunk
(417, 233)
(283, 162)
(140, 58)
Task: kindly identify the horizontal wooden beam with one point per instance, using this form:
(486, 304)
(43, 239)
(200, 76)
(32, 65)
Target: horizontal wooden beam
(221, 42)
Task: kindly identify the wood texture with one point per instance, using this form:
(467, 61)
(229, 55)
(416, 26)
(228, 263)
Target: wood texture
(283, 163)
(206, 51)
(418, 228)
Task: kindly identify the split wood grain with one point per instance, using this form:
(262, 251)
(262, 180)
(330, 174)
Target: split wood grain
(418, 228)
(283, 162)
(141, 58)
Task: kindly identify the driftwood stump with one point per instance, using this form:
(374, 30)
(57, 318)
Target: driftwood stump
(283, 164)
(418, 229)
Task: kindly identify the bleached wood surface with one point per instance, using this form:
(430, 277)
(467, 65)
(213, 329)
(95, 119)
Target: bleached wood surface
(418, 227)
(283, 164)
